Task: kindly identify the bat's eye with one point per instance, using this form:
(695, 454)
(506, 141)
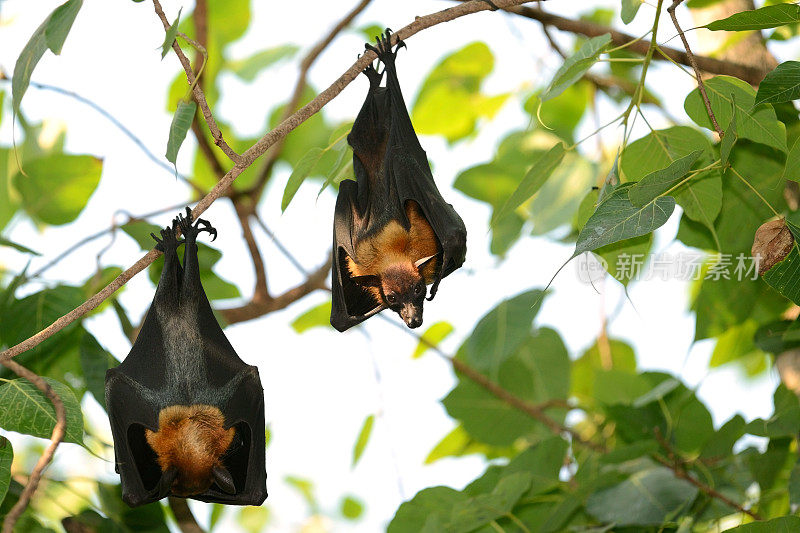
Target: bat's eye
(418, 290)
(391, 298)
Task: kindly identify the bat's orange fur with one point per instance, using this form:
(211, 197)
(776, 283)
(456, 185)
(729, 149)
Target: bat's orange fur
(394, 250)
(192, 439)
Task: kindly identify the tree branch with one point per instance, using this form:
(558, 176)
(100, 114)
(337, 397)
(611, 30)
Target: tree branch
(55, 439)
(183, 515)
(262, 306)
(197, 91)
(677, 467)
(294, 101)
(260, 292)
(249, 156)
(587, 28)
(700, 85)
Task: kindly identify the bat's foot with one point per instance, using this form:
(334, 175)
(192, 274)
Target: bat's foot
(384, 47)
(191, 231)
(168, 241)
(372, 74)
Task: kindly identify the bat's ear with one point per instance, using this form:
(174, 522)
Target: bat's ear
(223, 479)
(369, 280)
(167, 479)
(419, 263)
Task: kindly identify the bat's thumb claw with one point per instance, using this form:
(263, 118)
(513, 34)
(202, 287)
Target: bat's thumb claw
(223, 479)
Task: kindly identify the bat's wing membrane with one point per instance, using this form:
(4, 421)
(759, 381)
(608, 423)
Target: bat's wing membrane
(351, 304)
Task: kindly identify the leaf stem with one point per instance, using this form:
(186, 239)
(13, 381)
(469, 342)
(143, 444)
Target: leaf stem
(755, 191)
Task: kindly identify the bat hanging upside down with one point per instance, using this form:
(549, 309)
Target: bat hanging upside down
(393, 233)
(187, 415)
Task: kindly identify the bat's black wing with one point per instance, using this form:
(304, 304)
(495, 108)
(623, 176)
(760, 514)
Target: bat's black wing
(187, 361)
(390, 168)
(407, 169)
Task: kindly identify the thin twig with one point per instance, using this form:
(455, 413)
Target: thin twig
(197, 91)
(55, 439)
(700, 85)
(113, 227)
(535, 411)
(294, 101)
(678, 468)
(260, 292)
(247, 159)
(127, 132)
(183, 515)
(751, 75)
(261, 306)
(281, 248)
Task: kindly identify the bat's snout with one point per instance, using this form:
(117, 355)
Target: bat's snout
(411, 315)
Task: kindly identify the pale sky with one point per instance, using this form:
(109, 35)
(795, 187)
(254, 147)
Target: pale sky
(320, 386)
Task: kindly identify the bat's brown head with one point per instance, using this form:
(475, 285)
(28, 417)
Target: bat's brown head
(190, 443)
(401, 287)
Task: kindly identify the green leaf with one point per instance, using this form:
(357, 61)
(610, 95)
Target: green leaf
(484, 508)
(785, 276)
(253, 519)
(758, 19)
(784, 524)
(701, 197)
(616, 219)
(533, 180)
(435, 334)
(351, 508)
(785, 419)
(317, 316)
(659, 182)
(31, 314)
(537, 371)
(729, 139)
(363, 439)
(299, 174)
(629, 10)
(647, 498)
(26, 62)
(18, 247)
(759, 123)
(542, 461)
(6, 458)
(59, 23)
(412, 515)
(450, 101)
(575, 66)
(169, 38)
(792, 169)
(181, 122)
(794, 485)
(721, 443)
(585, 369)
(139, 231)
(458, 443)
(499, 333)
(305, 488)
(58, 186)
(249, 68)
(24, 409)
(780, 85)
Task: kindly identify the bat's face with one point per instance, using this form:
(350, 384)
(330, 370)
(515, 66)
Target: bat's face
(403, 291)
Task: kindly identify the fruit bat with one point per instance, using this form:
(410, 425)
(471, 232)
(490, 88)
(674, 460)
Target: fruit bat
(393, 233)
(187, 415)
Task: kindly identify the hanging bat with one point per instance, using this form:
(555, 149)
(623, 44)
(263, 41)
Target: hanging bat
(187, 415)
(393, 233)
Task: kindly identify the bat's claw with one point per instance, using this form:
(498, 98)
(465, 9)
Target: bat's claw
(205, 225)
(191, 231)
(384, 47)
(168, 240)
